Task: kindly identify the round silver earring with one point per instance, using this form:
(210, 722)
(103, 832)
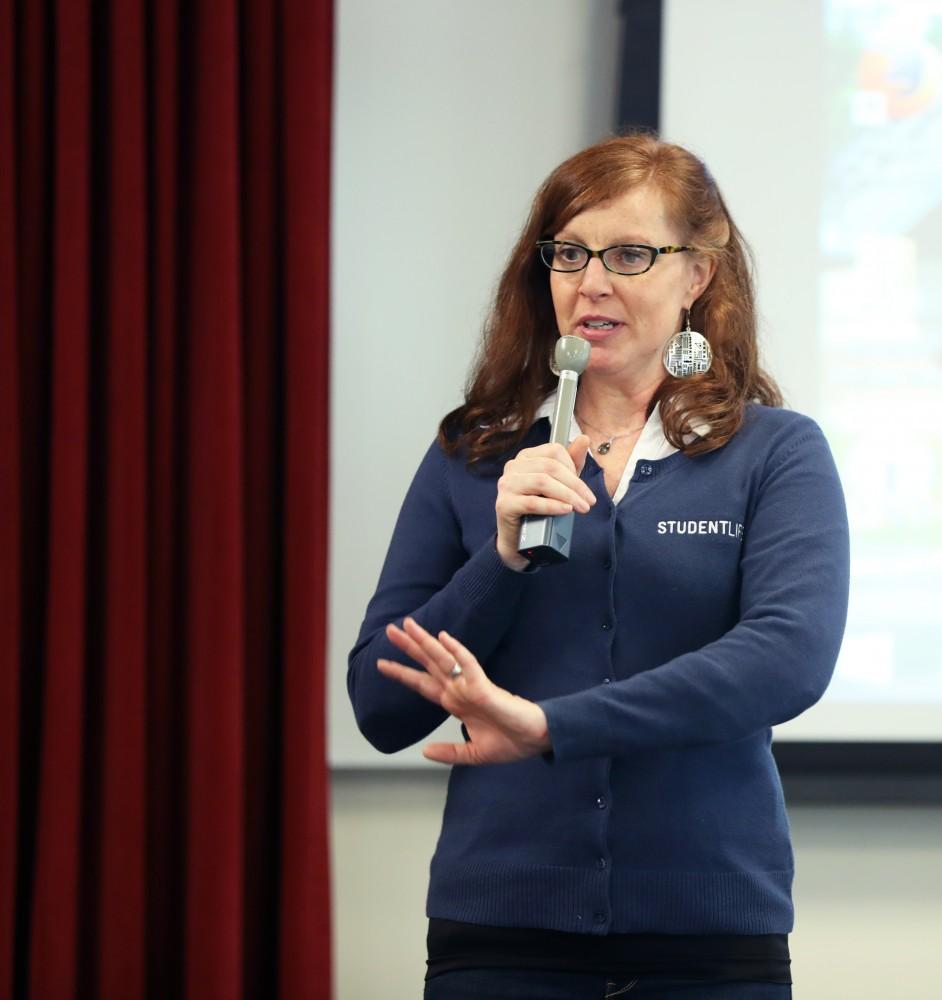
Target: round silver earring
(687, 353)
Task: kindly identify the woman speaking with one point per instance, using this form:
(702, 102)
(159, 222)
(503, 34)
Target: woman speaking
(615, 823)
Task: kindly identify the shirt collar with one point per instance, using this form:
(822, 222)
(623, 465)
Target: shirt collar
(653, 432)
(652, 444)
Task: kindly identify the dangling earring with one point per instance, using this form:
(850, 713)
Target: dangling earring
(687, 353)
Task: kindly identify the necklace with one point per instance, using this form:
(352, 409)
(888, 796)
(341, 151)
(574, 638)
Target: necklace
(606, 446)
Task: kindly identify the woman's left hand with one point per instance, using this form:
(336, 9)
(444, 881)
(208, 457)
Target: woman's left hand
(502, 726)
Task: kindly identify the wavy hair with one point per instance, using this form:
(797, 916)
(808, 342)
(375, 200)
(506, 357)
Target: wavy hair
(510, 376)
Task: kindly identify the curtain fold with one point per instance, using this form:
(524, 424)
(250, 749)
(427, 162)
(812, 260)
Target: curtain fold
(164, 227)
(10, 510)
(307, 206)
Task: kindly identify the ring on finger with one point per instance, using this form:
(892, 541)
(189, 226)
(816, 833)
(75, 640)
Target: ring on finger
(455, 671)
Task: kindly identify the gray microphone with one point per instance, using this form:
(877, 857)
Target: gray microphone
(544, 540)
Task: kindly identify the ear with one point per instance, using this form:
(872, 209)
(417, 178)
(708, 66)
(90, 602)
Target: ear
(701, 275)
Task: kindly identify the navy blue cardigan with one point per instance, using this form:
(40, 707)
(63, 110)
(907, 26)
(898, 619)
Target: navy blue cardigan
(704, 608)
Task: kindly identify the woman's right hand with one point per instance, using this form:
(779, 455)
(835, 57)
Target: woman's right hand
(542, 480)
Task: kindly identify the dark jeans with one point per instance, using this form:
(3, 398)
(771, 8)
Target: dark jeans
(522, 984)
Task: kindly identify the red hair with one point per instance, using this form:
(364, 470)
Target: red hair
(511, 375)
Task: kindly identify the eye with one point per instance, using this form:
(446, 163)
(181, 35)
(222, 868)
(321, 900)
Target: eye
(569, 253)
(630, 256)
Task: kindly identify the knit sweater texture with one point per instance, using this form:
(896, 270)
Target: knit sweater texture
(703, 609)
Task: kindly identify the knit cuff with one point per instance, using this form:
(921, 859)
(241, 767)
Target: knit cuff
(485, 575)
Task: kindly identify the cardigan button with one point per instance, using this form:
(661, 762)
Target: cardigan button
(605, 626)
(600, 802)
(601, 864)
(646, 470)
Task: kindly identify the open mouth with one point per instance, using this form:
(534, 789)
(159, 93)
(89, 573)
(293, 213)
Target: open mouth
(596, 329)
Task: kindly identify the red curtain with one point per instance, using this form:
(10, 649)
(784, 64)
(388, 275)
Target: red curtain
(164, 239)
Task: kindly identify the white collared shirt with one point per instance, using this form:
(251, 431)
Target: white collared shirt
(651, 444)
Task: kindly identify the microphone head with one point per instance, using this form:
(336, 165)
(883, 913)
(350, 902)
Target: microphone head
(571, 355)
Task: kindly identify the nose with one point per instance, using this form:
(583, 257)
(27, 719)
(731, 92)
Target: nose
(596, 280)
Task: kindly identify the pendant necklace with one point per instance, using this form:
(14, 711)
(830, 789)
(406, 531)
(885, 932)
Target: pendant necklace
(606, 446)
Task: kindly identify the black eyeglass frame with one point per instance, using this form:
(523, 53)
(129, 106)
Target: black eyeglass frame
(654, 251)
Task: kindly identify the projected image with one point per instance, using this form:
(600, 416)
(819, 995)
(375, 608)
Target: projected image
(881, 328)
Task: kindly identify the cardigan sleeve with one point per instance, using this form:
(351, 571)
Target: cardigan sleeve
(778, 658)
(428, 574)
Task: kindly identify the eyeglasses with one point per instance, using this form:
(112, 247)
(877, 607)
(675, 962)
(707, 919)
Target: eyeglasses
(631, 258)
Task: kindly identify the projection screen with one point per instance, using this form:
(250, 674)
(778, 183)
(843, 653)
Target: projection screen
(822, 121)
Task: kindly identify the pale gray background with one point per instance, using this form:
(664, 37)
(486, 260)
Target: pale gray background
(448, 116)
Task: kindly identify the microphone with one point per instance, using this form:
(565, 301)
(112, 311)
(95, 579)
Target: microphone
(544, 540)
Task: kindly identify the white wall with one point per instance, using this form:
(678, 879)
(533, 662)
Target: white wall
(448, 116)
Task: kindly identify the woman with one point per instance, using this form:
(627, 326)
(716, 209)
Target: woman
(617, 823)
